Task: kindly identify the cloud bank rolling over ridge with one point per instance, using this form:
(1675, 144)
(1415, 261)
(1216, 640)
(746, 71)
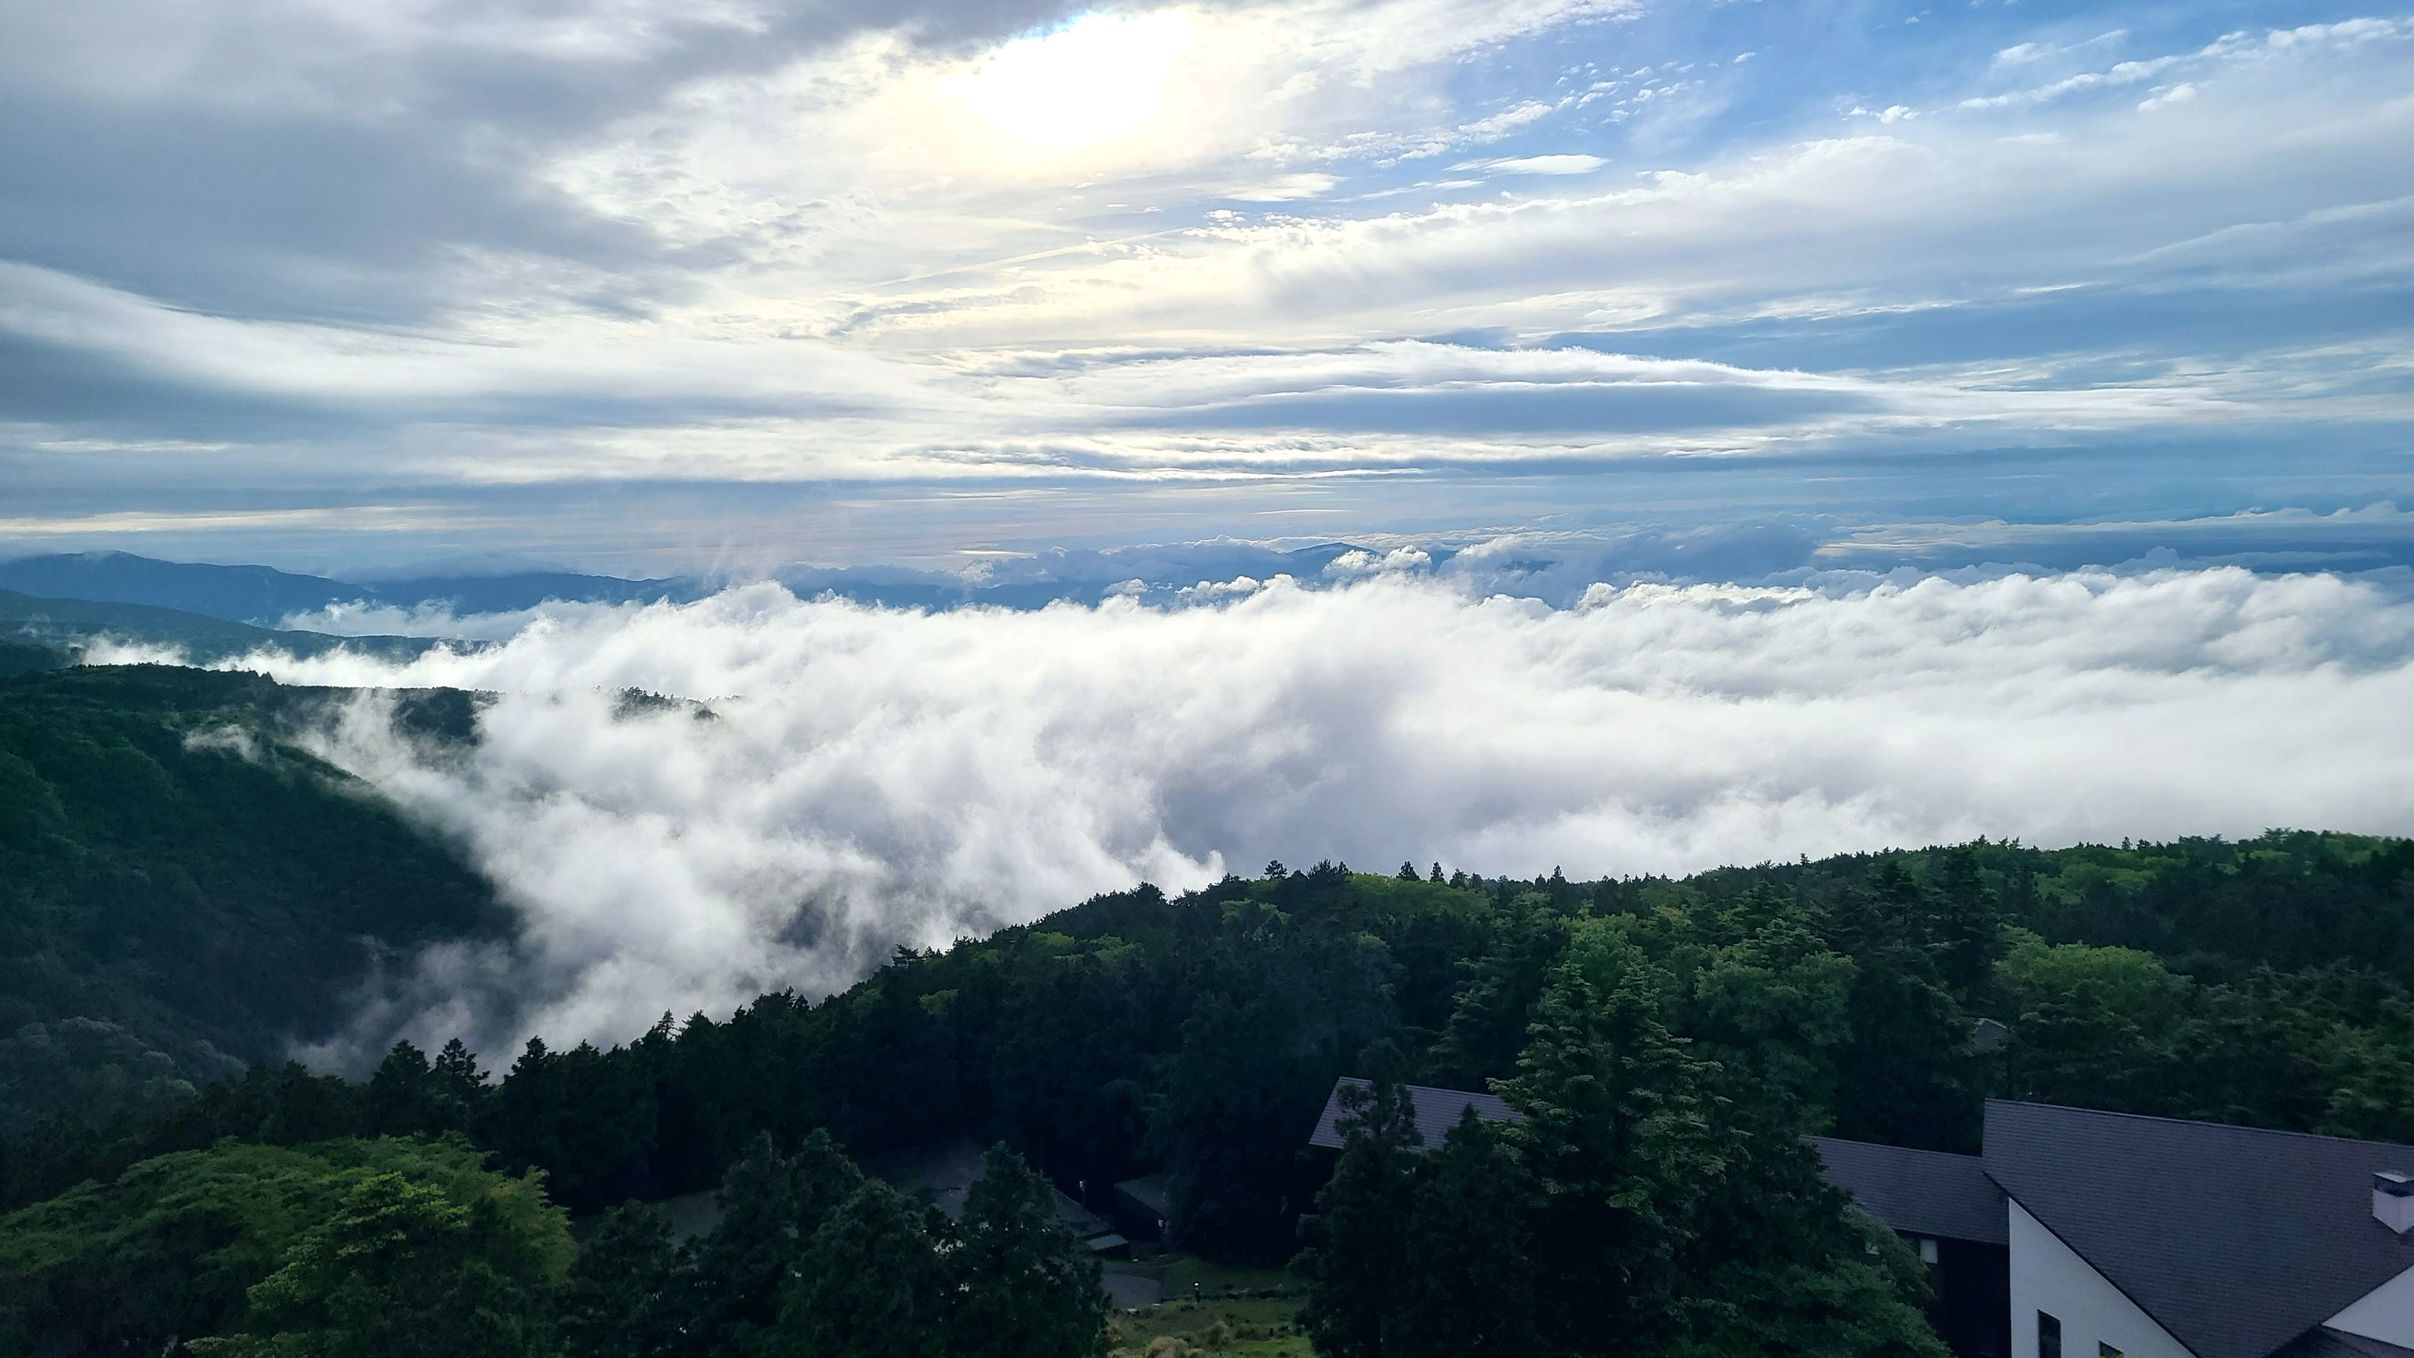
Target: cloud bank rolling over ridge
(870, 776)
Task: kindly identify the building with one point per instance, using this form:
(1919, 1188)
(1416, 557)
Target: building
(1955, 1216)
(1989, 1036)
(1143, 1207)
(1437, 1110)
(2122, 1236)
(2085, 1234)
(943, 1175)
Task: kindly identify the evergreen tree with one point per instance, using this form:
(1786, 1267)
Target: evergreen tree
(1024, 1287)
(868, 1284)
(1856, 1302)
(1467, 1286)
(1241, 1087)
(626, 1292)
(1781, 1264)
(772, 1204)
(1906, 1075)
(1487, 1027)
(1965, 928)
(1771, 1006)
(401, 1098)
(529, 1113)
(458, 1084)
(1619, 1137)
(1356, 1265)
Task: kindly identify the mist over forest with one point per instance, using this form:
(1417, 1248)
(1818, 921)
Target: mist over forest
(826, 781)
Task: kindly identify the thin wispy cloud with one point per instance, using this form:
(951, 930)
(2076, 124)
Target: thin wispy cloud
(268, 259)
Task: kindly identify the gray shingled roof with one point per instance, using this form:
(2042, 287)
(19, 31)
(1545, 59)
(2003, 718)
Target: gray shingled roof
(2329, 1343)
(1438, 1110)
(1929, 1193)
(1152, 1191)
(2236, 1240)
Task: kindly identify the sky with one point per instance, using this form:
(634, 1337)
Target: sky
(652, 288)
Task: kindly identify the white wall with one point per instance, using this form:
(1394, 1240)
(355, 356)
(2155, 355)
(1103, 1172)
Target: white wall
(2047, 1276)
(2385, 1313)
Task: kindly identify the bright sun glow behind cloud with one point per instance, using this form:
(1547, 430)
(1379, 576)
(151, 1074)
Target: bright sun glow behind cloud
(1099, 79)
(1390, 263)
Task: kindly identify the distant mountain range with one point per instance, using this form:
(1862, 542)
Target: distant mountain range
(263, 597)
(30, 623)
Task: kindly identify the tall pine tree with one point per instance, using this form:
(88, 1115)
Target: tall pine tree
(1024, 1286)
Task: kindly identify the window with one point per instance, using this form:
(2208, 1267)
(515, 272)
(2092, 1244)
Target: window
(1927, 1250)
(2049, 1336)
(2107, 1351)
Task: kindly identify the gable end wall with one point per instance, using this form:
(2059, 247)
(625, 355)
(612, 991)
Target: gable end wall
(2047, 1275)
(2385, 1313)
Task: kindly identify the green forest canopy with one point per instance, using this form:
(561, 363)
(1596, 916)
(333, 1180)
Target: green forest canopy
(1700, 1025)
(183, 892)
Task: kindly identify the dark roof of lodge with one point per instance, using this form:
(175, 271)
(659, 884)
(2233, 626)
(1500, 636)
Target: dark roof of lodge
(943, 1175)
(2238, 1240)
(2323, 1342)
(1152, 1191)
(2235, 1239)
(1437, 1110)
(1929, 1193)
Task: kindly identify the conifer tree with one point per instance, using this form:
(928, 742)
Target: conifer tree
(772, 1204)
(625, 1293)
(1356, 1265)
(458, 1083)
(868, 1284)
(1619, 1137)
(1469, 1247)
(401, 1098)
(1024, 1286)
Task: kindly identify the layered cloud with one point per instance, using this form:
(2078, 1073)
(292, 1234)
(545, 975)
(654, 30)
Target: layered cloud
(464, 270)
(833, 780)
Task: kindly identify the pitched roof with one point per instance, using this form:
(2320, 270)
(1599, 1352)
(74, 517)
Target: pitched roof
(1929, 1193)
(2324, 1342)
(1078, 1219)
(1437, 1110)
(1152, 1191)
(2235, 1239)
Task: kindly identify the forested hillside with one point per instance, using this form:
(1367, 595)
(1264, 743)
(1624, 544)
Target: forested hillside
(2264, 982)
(183, 892)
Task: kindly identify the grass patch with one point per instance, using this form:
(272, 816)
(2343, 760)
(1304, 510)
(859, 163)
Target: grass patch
(1214, 1279)
(1228, 1327)
(1237, 1313)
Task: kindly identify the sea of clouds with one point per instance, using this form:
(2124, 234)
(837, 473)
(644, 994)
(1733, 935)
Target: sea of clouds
(846, 778)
